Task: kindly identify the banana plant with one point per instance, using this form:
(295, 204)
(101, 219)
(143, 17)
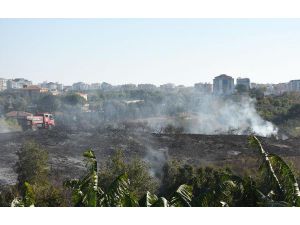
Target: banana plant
(148, 200)
(221, 189)
(86, 191)
(118, 194)
(282, 180)
(151, 200)
(182, 197)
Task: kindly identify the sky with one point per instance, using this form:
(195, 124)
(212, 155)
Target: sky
(158, 51)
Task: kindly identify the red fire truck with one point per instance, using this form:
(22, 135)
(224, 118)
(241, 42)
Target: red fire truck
(40, 120)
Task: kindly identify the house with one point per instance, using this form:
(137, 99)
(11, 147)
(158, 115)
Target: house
(33, 91)
(18, 83)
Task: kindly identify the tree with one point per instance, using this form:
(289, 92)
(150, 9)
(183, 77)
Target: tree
(240, 88)
(48, 103)
(73, 99)
(136, 170)
(87, 192)
(32, 164)
(294, 112)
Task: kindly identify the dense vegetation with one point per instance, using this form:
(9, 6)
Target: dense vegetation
(120, 183)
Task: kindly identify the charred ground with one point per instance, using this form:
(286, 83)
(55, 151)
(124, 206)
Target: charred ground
(65, 149)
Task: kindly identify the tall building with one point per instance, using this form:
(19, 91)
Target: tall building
(294, 85)
(223, 85)
(3, 84)
(243, 81)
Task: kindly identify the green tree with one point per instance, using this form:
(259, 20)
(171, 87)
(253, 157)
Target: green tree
(136, 170)
(240, 88)
(32, 164)
(48, 103)
(73, 99)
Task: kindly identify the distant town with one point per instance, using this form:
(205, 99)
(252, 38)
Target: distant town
(222, 85)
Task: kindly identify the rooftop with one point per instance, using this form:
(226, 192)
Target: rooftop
(223, 76)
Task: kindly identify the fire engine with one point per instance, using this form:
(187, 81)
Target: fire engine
(38, 121)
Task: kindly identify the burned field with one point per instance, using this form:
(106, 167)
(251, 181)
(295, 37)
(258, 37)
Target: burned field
(66, 147)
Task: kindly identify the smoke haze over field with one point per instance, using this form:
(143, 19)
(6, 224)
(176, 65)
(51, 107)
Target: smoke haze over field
(219, 115)
(239, 117)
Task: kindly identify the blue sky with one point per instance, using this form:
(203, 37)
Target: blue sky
(180, 51)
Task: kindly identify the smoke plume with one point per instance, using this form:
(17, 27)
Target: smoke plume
(216, 115)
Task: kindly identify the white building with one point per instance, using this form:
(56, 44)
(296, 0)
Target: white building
(223, 85)
(52, 86)
(18, 83)
(3, 84)
(294, 85)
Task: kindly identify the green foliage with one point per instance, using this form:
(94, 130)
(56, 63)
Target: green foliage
(73, 99)
(240, 88)
(48, 103)
(28, 200)
(29, 195)
(85, 192)
(161, 202)
(118, 193)
(148, 199)
(280, 179)
(32, 164)
(183, 196)
(136, 170)
(34, 184)
(185, 186)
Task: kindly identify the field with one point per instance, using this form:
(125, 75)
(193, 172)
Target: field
(65, 149)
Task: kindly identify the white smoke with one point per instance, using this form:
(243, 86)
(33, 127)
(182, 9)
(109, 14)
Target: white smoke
(217, 115)
(156, 160)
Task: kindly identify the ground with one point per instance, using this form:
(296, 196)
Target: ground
(66, 147)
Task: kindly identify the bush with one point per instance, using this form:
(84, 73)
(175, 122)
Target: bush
(136, 169)
(32, 165)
